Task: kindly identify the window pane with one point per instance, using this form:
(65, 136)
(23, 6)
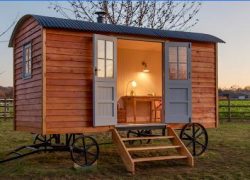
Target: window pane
(182, 54)
(29, 67)
(172, 71)
(109, 49)
(26, 54)
(101, 48)
(26, 69)
(172, 54)
(109, 68)
(30, 53)
(101, 68)
(182, 71)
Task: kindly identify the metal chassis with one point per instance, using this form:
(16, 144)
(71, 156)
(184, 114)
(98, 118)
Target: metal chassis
(45, 146)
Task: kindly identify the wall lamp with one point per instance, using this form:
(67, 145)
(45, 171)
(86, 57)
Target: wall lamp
(145, 67)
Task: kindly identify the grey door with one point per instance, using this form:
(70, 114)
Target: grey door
(177, 86)
(105, 73)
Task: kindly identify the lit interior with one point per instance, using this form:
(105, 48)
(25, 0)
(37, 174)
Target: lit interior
(139, 73)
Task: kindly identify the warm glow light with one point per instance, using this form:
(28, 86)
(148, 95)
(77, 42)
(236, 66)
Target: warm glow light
(146, 70)
(143, 77)
(133, 83)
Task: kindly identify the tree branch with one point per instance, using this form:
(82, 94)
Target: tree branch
(168, 14)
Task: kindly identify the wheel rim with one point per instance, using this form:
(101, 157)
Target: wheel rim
(195, 137)
(84, 151)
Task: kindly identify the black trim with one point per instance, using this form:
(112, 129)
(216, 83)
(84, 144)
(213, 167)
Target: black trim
(78, 25)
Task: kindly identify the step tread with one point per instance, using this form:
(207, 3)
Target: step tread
(147, 138)
(158, 158)
(152, 148)
(151, 126)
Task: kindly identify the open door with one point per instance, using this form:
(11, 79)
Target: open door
(178, 87)
(105, 73)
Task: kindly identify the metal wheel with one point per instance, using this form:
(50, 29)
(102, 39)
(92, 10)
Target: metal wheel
(195, 137)
(139, 133)
(39, 139)
(42, 139)
(84, 150)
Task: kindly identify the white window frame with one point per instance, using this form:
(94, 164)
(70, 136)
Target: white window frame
(105, 39)
(27, 73)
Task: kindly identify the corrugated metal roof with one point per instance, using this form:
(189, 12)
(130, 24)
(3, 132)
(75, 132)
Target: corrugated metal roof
(59, 23)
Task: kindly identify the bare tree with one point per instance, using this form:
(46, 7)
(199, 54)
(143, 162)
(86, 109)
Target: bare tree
(247, 88)
(2, 33)
(169, 14)
(8, 28)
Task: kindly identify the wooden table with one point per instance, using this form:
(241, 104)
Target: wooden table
(135, 99)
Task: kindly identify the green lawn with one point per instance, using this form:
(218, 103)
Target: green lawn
(228, 157)
(236, 112)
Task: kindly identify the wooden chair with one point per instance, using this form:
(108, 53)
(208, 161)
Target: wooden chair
(156, 110)
(121, 114)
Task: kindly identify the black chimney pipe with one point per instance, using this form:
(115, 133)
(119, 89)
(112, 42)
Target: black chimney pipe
(100, 16)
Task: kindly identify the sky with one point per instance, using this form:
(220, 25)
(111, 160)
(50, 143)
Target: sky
(226, 20)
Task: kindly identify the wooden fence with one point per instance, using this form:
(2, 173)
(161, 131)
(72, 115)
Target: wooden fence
(6, 109)
(234, 109)
(228, 109)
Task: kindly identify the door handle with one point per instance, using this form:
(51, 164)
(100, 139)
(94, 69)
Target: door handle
(96, 70)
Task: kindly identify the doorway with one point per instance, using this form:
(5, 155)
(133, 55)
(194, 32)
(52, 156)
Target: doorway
(133, 82)
(139, 81)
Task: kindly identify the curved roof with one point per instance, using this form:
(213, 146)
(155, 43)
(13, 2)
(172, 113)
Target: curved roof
(77, 25)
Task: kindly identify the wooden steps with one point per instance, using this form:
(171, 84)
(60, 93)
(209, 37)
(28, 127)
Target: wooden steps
(151, 148)
(174, 143)
(147, 138)
(152, 126)
(158, 158)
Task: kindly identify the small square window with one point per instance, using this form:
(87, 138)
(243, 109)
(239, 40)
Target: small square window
(27, 61)
(178, 63)
(105, 61)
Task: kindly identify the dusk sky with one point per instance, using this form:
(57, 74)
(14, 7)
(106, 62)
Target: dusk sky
(226, 20)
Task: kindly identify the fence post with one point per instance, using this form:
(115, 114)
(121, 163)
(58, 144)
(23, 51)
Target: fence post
(4, 110)
(229, 107)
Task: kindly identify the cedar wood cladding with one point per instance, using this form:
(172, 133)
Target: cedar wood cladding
(28, 93)
(69, 68)
(69, 78)
(69, 81)
(204, 83)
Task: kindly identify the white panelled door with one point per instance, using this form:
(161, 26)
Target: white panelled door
(178, 84)
(105, 75)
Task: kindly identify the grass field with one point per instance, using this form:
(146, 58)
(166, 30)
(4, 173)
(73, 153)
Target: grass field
(236, 112)
(228, 157)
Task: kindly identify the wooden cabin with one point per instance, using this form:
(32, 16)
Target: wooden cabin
(73, 76)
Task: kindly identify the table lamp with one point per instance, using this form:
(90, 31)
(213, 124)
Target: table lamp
(133, 85)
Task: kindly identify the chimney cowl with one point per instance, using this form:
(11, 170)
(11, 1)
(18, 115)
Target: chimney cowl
(100, 16)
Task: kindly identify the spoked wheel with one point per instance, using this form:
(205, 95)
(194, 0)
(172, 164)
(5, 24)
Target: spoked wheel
(42, 139)
(139, 133)
(195, 137)
(84, 151)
